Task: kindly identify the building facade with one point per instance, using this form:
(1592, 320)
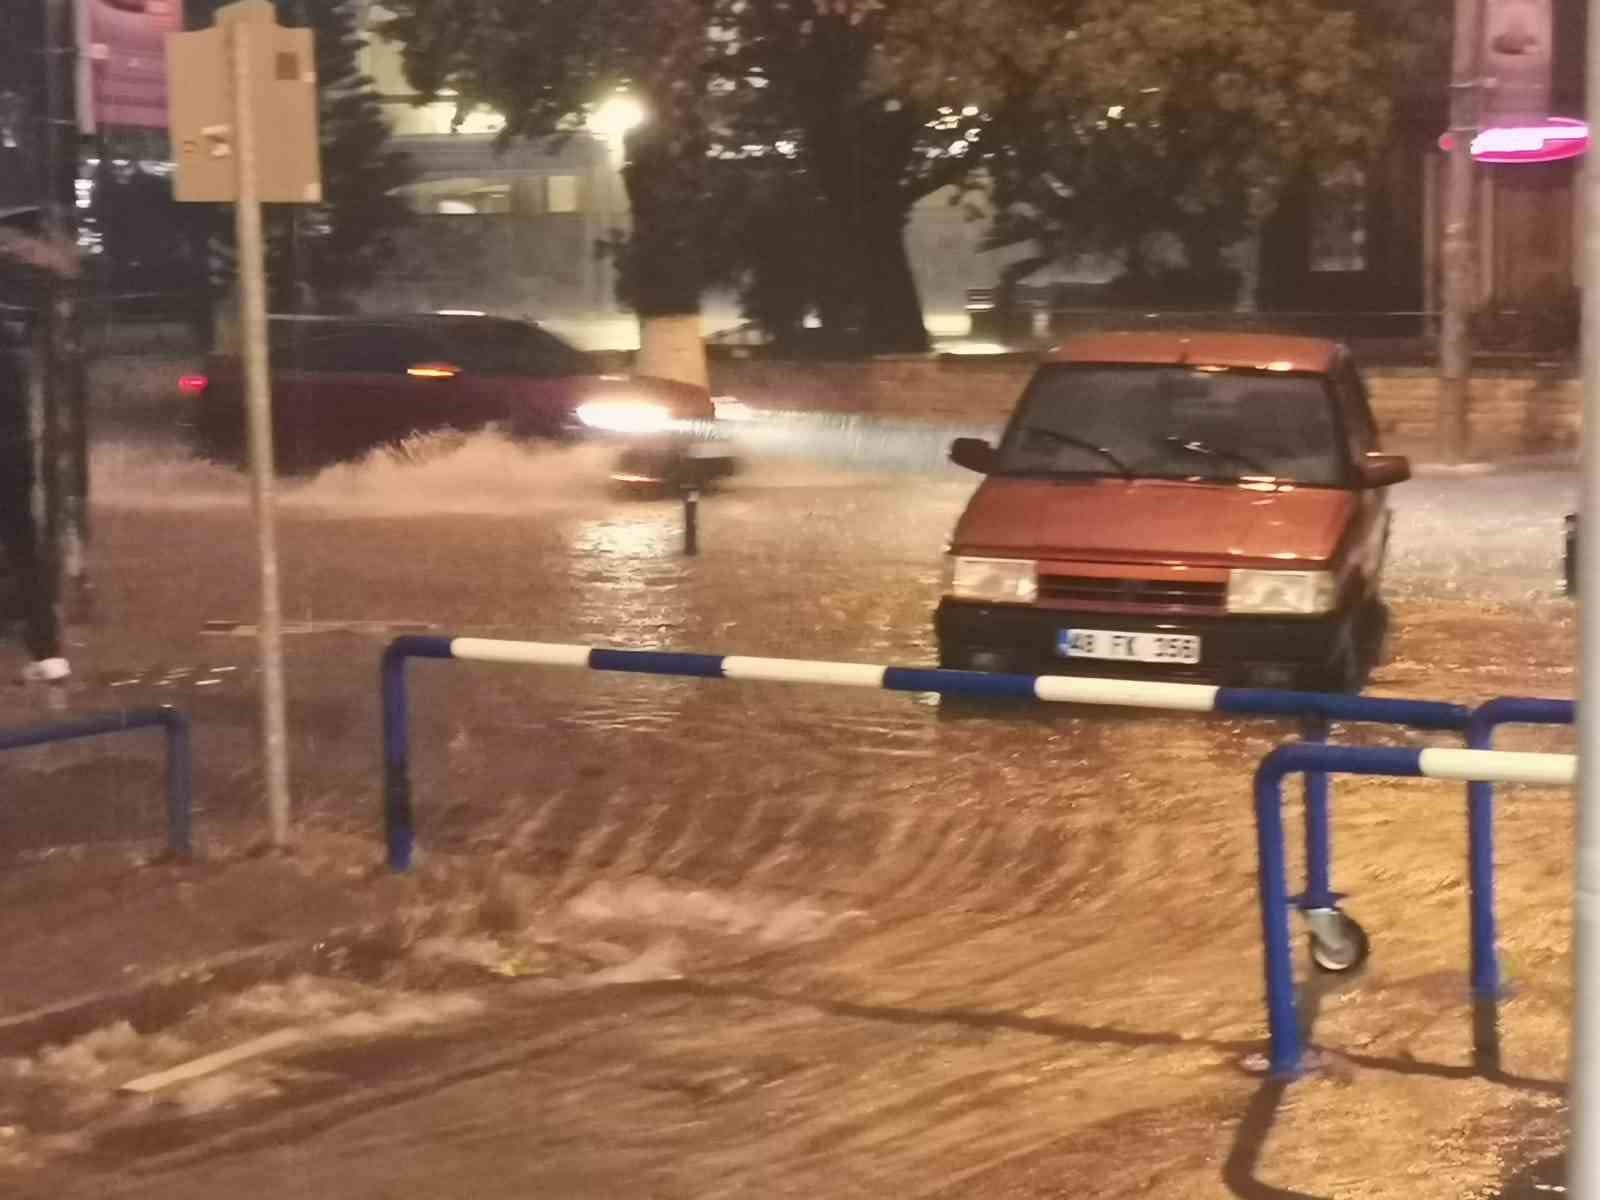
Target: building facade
(1373, 249)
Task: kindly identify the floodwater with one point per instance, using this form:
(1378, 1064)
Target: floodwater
(1018, 952)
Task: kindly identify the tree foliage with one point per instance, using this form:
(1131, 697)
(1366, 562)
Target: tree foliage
(778, 90)
(790, 139)
(813, 79)
(321, 256)
(344, 243)
(1184, 117)
(545, 64)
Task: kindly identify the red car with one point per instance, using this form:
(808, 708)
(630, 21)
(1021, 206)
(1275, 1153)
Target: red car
(342, 386)
(1203, 505)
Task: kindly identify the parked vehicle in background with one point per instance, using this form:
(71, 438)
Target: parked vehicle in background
(1190, 505)
(342, 386)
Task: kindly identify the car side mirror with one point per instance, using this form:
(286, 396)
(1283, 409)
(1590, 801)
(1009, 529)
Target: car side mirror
(974, 454)
(1383, 470)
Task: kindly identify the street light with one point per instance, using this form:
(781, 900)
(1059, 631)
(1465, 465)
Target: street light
(614, 117)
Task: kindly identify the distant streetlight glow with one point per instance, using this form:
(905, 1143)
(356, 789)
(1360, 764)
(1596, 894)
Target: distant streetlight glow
(615, 117)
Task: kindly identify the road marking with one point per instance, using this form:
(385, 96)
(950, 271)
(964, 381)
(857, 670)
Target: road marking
(246, 629)
(210, 1064)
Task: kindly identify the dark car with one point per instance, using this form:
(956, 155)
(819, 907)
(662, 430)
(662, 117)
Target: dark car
(342, 386)
(1206, 506)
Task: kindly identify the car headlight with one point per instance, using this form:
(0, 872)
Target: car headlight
(1300, 593)
(1004, 580)
(626, 416)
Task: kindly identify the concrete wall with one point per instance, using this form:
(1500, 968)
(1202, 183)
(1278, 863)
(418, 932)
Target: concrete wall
(1513, 413)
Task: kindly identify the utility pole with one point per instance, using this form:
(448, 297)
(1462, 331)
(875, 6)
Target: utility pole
(1583, 1140)
(1455, 346)
(64, 444)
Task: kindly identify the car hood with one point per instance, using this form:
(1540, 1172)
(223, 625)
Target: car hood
(1154, 521)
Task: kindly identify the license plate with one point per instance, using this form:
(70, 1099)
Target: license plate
(1128, 647)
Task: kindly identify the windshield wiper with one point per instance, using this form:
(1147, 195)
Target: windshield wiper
(1068, 439)
(1194, 446)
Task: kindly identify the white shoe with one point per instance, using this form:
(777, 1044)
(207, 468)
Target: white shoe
(46, 670)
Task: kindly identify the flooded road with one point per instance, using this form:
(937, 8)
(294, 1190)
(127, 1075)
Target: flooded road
(876, 943)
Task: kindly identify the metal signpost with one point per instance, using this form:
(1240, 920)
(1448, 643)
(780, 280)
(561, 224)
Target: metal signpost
(224, 80)
(1455, 349)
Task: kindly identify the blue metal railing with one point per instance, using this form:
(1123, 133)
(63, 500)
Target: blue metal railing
(1319, 902)
(179, 786)
(399, 817)
(1478, 727)
(1475, 766)
(1480, 825)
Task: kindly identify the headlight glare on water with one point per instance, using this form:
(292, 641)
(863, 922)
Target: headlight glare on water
(626, 416)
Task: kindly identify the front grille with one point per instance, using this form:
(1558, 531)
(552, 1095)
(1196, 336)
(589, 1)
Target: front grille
(1140, 593)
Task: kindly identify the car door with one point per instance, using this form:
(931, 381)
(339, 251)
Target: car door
(350, 387)
(520, 374)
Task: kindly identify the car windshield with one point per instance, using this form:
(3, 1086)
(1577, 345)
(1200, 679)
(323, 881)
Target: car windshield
(512, 348)
(1175, 422)
(348, 347)
(482, 347)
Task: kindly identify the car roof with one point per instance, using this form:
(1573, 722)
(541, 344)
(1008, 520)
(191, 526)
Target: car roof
(1247, 351)
(400, 320)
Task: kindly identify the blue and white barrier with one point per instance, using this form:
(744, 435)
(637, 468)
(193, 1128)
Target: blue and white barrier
(399, 825)
(1473, 766)
(1478, 728)
(179, 768)
(1477, 765)
(1480, 826)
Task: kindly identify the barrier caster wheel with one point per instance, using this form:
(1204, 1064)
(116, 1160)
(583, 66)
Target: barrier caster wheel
(1340, 945)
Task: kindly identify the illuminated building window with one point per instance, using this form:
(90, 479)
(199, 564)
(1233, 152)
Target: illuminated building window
(561, 193)
(1339, 222)
(459, 197)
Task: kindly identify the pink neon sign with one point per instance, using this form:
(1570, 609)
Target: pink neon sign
(1551, 140)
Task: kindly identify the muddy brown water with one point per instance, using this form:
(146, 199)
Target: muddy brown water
(993, 953)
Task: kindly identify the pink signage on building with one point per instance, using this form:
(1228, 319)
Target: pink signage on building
(1550, 140)
(122, 58)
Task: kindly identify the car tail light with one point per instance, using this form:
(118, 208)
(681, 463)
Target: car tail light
(193, 385)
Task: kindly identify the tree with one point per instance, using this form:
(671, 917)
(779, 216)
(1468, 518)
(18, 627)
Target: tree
(321, 256)
(785, 130)
(775, 247)
(812, 78)
(777, 88)
(544, 65)
(344, 243)
(1184, 117)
